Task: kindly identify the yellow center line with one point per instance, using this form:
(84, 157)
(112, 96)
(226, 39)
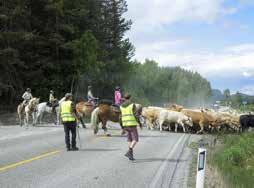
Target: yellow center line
(4, 168)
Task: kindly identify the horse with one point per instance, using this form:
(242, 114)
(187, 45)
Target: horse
(84, 109)
(107, 112)
(25, 112)
(43, 107)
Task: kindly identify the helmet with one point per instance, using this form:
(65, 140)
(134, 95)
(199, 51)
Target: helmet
(51, 91)
(68, 95)
(117, 87)
(28, 89)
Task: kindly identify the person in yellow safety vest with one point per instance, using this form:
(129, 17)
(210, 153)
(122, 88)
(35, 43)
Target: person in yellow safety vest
(68, 117)
(129, 121)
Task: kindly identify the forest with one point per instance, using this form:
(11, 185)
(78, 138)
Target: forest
(67, 45)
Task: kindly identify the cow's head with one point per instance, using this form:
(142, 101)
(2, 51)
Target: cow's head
(189, 122)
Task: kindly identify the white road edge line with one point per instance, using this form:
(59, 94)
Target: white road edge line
(163, 166)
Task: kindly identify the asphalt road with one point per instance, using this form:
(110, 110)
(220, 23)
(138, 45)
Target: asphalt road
(36, 157)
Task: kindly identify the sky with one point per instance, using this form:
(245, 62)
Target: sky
(212, 37)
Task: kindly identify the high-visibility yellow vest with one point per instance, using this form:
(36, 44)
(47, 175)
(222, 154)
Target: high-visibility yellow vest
(128, 118)
(66, 114)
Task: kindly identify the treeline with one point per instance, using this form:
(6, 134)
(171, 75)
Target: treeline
(51, 44)
(238, 100)
(67, 45)
(154, 85)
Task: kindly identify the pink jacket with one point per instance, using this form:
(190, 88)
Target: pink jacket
(118, 97)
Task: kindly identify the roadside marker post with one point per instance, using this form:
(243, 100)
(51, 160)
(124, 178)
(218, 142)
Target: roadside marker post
(201, 164)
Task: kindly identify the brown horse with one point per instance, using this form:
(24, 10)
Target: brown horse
(84, 109)
(106, 112)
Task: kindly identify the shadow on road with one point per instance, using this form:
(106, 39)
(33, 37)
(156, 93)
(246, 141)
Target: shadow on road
(98, 149)
(148, 160)
(49, 126)
(143, 136)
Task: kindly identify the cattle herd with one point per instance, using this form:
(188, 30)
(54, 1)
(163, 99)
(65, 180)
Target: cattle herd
(196, 120)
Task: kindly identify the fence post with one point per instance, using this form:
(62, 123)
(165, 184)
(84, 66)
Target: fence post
(201, 167)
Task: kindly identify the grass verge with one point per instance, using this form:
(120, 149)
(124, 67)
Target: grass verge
(235, 160)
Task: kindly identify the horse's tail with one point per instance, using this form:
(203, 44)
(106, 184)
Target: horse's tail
(95, 118)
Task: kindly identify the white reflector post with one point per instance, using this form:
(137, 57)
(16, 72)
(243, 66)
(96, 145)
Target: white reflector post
(201, 168)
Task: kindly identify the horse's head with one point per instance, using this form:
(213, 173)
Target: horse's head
(139, 108)
(34, 102)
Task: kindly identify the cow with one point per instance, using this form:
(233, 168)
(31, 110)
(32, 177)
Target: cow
(151, 115)
(246, 121)
(175, 107)
(174, 117)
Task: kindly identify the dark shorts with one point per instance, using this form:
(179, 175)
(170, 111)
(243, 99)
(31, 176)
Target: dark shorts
(132, 133)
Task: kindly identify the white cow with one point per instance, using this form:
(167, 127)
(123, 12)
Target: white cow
(174, 117)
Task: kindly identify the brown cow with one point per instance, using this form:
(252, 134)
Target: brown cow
(151, 114)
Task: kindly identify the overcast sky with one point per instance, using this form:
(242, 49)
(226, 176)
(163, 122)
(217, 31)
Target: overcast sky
(213, 37)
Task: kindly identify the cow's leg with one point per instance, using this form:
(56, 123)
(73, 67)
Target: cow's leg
(161, 123)
(176, 126)
(151, 124)
(183, 126)
(156, 123)
(184, 130)
(201, 124)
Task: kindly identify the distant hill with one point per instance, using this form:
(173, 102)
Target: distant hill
(248, 98)
(217, 95)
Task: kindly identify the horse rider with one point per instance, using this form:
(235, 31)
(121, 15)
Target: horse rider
(118, 96)
(90, 96)
(27, 96)
(129, 121)
(69, 120)
(52, 100)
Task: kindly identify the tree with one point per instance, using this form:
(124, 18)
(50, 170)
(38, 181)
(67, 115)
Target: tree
(237, 99)
(226, 94)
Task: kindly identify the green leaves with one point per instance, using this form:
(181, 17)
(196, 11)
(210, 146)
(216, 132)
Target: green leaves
(159, 85)
(85, 52)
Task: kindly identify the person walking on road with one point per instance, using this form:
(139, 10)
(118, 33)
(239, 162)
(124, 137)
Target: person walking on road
(129, 120)
(118, 96)
(69, 120)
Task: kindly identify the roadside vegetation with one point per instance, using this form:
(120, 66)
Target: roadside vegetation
(235, 160)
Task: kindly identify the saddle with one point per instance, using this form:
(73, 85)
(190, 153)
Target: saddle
(88, 104)
(55, 104)
(106, 101)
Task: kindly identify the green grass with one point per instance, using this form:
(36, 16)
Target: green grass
(236, 160)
